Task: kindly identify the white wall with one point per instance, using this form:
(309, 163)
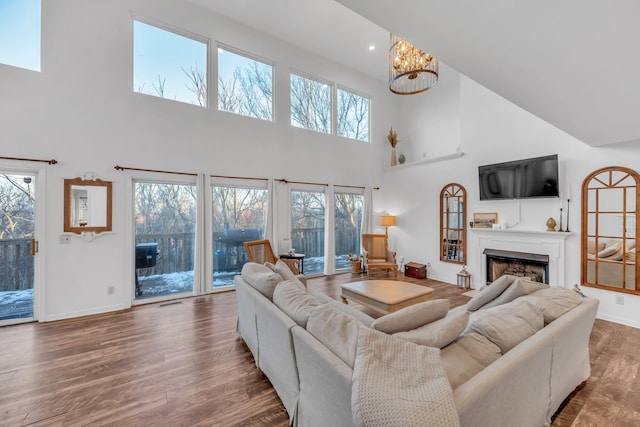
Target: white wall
(81, 111)
(491, 130)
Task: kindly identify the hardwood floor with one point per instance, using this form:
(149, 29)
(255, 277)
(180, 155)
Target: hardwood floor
(182, 364)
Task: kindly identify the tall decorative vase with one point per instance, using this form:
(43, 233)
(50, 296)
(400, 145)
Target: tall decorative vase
(394, 161)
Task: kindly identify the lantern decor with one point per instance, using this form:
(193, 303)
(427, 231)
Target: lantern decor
(464, 278)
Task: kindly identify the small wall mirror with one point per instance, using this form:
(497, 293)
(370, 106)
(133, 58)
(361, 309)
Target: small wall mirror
(87, 205)
(453, 217)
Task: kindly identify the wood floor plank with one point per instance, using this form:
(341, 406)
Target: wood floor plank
(184, 365)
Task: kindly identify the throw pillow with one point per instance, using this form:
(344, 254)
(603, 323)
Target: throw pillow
(610, 250)
(466, 356)
(286, 273)
(509, 324)
(412, 317)
(294, 302)
(439, 333)
(490, 292)
(553, 302)
(336, 331)
(261, 278)
(518, 288)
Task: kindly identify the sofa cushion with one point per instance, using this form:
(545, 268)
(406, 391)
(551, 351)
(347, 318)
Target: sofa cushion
(518, 288)
(466, 356)
(593, 249)
(286, 273)
(439, 333)
(322, 297)
(295, 302)
(412, 317)
(261, 278)
(335, 330)
(364, 318)
(509, 324)
(490, 292)
(553, 302)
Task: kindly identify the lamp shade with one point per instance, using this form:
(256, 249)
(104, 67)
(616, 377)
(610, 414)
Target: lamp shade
(387, 220)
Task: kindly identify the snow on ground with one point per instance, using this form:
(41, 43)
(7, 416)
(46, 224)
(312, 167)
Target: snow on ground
(18, 304)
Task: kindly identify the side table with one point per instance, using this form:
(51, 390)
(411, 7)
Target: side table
(299, 257)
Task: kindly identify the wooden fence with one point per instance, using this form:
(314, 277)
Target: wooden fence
(175, 252)
(16, 265)
(310, 241)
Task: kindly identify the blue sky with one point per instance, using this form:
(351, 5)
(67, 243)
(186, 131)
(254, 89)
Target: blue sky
(20, 33)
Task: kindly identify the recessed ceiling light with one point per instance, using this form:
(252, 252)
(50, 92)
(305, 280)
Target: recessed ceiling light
(372, 47)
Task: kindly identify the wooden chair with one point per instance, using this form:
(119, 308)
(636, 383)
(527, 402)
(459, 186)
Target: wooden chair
(378, 255)
(260, 251)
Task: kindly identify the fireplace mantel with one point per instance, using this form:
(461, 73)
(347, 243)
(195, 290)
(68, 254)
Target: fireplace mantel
(558, 235)
(547, 243)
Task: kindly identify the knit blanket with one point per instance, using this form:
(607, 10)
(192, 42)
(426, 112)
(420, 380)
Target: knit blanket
(399, 383)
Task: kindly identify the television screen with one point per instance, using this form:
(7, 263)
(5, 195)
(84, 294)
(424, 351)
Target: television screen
(520, 179)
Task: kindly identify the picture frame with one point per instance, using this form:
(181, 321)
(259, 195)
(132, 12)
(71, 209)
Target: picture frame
(484, 219)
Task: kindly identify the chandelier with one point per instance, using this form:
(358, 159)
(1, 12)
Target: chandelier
(410, 69)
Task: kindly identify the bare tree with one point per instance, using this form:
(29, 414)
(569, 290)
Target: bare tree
(310, 104)
(159, 88)
(197, 84)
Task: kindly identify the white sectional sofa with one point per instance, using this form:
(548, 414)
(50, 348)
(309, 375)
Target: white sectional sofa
(307, 345)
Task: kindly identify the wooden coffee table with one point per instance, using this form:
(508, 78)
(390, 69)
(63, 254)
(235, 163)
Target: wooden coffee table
(385, 296)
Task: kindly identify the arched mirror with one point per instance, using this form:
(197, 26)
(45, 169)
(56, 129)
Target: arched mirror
(609, 217)
(87, 205)
(453, 217)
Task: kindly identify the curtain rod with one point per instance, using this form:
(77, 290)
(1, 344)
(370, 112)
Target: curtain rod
(325, 185)
(122, 168)
(239, 177)
(51, 162)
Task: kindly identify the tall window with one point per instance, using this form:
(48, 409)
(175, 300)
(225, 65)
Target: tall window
(238, 216)
(353, 115)
(245, 86)
(307, 228)
(348, 220)
(165, 225)
(169, 65)
(310, 104)
(20, 33)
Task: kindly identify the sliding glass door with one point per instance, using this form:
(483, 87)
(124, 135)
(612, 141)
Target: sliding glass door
(307, 228)
(165, 226)
(238, 216)
(348, 223)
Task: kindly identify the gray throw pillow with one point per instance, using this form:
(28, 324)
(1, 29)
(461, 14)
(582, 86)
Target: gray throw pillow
(553, 301)
(518, 288)
(412, 317)
(335, 330)
(439, 333)
(294, 302)
(261, 278)
(466, 356)
(490, 292)
(509, 324)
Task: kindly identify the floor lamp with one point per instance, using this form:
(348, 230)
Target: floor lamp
(388, 221)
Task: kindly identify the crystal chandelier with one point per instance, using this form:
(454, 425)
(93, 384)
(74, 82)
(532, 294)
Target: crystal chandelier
(410, 69)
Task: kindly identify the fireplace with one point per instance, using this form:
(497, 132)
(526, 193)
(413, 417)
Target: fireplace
(551, 245)
(534, 267)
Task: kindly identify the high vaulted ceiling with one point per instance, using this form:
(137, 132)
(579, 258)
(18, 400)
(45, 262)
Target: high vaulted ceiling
(573, 63)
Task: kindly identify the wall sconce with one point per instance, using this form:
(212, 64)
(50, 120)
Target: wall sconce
(387, 221)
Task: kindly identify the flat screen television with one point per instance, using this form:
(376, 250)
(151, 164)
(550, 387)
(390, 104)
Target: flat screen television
(520, 179)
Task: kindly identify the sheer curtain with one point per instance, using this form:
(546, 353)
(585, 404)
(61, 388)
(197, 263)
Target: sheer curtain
(367, 215)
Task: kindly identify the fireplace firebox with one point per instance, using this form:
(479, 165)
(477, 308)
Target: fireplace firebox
(531, 266)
